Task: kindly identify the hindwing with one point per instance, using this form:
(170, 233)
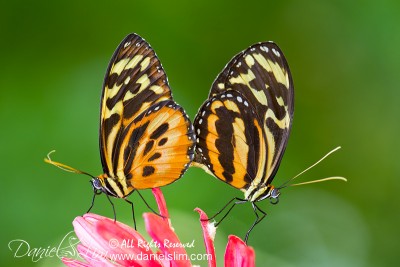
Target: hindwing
(230, 139)
(156, 147)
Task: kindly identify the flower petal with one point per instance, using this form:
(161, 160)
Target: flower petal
(238, 254)
(162, 205)
(92, 259)
(74, 263)
(114, 240)
(161, 257)
(85, 229)
(208, 235)
(167, 240)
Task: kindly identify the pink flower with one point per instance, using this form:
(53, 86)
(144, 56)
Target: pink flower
(108, 243)
(237, 253)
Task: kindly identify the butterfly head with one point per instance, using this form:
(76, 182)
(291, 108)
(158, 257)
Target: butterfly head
(98, 185)
(263, 192)
(106, 185)
(274, 195)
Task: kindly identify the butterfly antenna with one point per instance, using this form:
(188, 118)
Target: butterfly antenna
(286, 184)
(63, 166)
(322, 180)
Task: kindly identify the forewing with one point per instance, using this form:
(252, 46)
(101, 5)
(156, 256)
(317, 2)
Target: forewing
(230, 142)
(156, 148)
(262, 75)
(134, 81)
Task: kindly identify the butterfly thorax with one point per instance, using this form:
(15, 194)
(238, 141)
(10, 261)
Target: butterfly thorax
(261, 192)
(111, 186)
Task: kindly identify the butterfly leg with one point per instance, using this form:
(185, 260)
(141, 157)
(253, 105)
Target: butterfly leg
(258, 219)
(133, 212)
(238, 201)
(91, 205)
(148, 206)
(95, 193)
(112, 205)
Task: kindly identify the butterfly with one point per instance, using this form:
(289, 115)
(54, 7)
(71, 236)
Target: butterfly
(242, 129)
(146, 138)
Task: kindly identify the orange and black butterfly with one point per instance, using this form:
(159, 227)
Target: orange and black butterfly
(243, 128)
(146, 138)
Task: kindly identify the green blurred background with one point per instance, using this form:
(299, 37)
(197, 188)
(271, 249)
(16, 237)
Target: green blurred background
(344, 57)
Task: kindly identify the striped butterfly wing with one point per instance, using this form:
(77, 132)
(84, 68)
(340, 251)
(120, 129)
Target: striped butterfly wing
(156, 149)
(137, 111)
(230, 142)
(261, 74)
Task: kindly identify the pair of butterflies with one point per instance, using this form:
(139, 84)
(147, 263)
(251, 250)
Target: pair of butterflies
(239, 134)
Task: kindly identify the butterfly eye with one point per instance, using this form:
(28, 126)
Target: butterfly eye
(96, 184)
(274, 197)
